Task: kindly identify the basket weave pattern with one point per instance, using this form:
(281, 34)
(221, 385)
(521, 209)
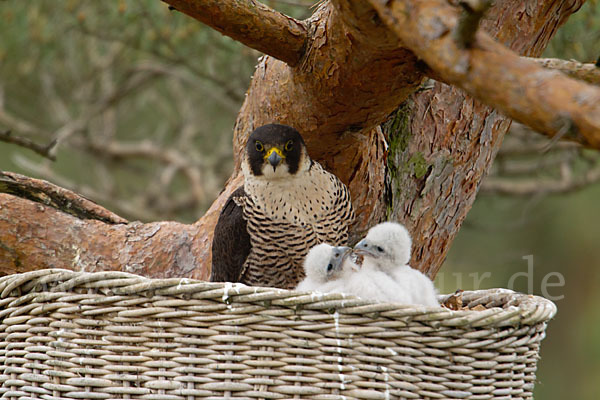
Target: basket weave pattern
(77, 335)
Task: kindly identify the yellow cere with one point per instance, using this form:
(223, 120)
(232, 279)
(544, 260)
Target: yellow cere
(276, 150)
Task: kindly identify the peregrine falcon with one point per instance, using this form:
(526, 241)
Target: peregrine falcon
(288, 204)
(386, 249)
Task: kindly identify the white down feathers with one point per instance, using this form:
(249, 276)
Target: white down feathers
(384, 275)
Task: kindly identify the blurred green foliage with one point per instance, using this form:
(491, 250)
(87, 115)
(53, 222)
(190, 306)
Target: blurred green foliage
(579, 38)
(132, 73)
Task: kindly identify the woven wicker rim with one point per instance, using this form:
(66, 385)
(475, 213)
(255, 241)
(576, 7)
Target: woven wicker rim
(503, 307)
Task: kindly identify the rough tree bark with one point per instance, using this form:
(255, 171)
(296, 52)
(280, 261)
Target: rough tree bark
(344, 72)
(442, 141)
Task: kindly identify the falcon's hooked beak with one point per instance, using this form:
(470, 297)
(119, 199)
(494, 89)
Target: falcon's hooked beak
(274, 156)
(339, 255)
(364, 248)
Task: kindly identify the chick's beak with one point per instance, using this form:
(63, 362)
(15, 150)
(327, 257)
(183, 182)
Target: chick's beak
(274, 156)
(364, 249)
(343, 251)
(340, 253)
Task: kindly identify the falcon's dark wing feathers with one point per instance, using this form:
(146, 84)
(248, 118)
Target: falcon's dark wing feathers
(231, 242)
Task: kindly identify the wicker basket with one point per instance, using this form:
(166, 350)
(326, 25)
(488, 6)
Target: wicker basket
(77, 335)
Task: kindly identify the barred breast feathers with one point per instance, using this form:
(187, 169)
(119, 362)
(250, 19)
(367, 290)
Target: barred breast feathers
(315, 196)
(289, 216)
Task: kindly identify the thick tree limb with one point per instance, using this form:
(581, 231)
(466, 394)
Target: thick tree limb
(546, 101)
(56, 228)
(589, 73)
(49, 238)
(251, 23)
(46, 193)
(586, 72)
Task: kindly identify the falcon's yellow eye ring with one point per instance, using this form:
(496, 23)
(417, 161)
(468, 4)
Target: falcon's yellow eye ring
(259, 146)
(289, 145)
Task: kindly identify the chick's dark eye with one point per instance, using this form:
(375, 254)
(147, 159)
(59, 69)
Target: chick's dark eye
(329, 267)
(289, 145)
(259, 146)
(380, 249)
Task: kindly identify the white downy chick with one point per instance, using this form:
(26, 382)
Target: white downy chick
(386, 248)
(331, 270)
(373, 284)
(325, 268)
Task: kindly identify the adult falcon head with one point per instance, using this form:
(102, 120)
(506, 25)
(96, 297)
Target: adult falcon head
(288, 204)
(275, 152)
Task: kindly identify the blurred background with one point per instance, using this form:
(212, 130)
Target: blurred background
(137, 105)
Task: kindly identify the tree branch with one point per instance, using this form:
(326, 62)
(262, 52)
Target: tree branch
(56, 197)
(251, 23)
(42, 150)
(529, 187)
(546, 101)
(589, 73)
(147, 150)
(132, 206)
(18, 125)
(36, 236)
(528, 165)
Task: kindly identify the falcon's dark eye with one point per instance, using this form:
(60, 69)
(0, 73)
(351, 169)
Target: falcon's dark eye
(259, 146)
(329, 267)
(380, 249)
(289, 145)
